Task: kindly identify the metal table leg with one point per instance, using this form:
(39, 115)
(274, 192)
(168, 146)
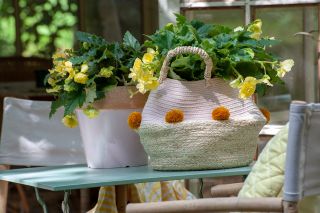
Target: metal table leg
(41, 201)
(65, 202)
(201, 188)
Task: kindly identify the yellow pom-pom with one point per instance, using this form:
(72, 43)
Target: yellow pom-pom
(266, 114)
(134, 120)
(174, 116)
(220, 113)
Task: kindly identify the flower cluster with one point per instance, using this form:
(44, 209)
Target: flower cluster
(82, 76)
(143, 71)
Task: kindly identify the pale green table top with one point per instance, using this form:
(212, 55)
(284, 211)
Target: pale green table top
(59, 178)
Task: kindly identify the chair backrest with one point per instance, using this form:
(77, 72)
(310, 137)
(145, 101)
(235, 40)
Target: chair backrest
(302, 171)
(29, 137)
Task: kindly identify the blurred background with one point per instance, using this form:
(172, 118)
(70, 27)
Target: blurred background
(31, 30)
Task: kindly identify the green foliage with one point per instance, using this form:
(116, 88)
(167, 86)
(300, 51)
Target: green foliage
(95, 54)
(234, 52)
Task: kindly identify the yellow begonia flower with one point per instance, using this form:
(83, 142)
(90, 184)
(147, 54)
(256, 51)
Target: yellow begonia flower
(136, 70)
(247, 87)
(147, 58)
(285, 66)
(237, 29)
(137, 64)
(106, 72)
(152, 51)
(57, 55)
(255, 28)
(91, 112)
(68, 64)
(145, 86)
(71, 72)
(81, 78)
(59, 68)
(84, 68)
(265, 79)
(51, 81)
(70, 121)
(143, 72)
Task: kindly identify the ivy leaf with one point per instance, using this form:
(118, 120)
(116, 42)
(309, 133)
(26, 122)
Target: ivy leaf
(89, 38)
(55, 105)
(181, 20)
(261, 89)
(164, 41)
(117, 51)
(196, 24)
(77, 60)
(91, 94)
(249, 69)
(204, 30)
(131, 41)
(218, 29)
(74, 101)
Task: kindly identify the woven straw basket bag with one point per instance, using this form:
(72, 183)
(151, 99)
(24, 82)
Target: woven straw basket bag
(198, 142)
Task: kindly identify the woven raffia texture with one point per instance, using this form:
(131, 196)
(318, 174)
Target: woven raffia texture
(199, 142)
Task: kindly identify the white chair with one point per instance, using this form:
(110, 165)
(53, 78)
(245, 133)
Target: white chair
(30, 138)
(302, 171)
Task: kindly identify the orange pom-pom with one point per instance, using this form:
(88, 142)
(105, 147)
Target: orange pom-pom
(220, 113)
(266, 114)
(174, 116)
(134, 120)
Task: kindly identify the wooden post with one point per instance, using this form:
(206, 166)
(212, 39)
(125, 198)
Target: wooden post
(121, 198)
(3, 191)
(210, 205)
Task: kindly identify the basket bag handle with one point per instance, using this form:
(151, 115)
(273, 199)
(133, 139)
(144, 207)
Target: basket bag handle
(182, 50)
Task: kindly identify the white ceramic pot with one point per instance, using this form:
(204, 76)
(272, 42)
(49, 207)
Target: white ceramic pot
(108, 141)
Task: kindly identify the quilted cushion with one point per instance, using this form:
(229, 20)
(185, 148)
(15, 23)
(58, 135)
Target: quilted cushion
(267, 175)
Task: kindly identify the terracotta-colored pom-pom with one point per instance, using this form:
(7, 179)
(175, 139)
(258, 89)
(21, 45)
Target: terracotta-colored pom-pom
(220, 113)
(134, 120)
(174, 116)
(266, 114)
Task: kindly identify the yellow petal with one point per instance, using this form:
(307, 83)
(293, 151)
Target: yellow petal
(84, 68)
(81, 78)
(248, 87)
(70, 121)
(137, 64)
(68, 64)
(91, 112)
(106, 72)
(148, 58)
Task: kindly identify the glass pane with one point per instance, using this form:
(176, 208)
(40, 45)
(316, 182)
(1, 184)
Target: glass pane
(112, 18)
(231, 17)
(301, 83)
(47, 25)
(7, 28)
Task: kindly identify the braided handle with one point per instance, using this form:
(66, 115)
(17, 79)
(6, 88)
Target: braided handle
(182, 50)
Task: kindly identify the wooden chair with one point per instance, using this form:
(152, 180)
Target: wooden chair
(302, 172)
(30, 138)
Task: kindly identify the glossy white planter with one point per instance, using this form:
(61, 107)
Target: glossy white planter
(109, 142)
